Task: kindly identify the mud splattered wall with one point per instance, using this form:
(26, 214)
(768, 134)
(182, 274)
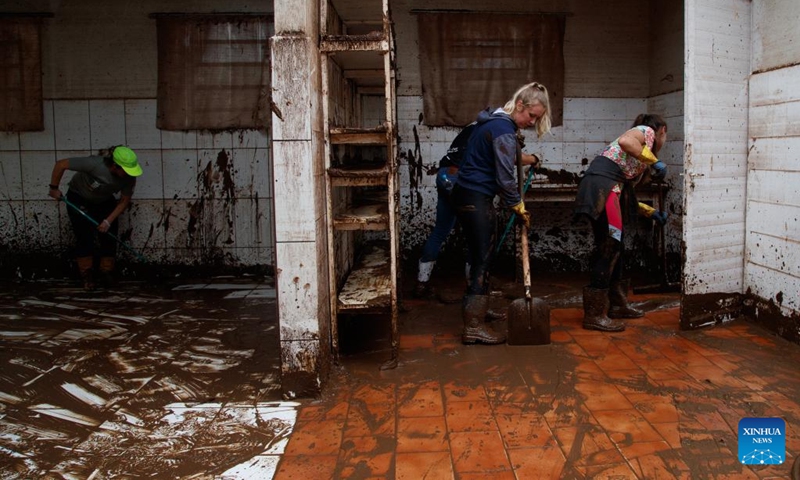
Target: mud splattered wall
(772, 266)
(608, 81)
(203, 198)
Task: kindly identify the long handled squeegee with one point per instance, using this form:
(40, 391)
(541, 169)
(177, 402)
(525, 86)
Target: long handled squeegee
(94, 222)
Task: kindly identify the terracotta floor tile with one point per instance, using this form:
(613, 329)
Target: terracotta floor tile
(655, 408)
(478, 452)
(422, 434)
(567, 411)
(304, 467)
(368, 456)
(642, 449)
(560, 336)
(469, 416)
(537, 463)
(423, 400)
(370, 419)
(416, 342)
(424, 466)
(653, 466)
(670, 433)
(714, 375)
(504, 394)
(594, 344)
(610, 472)
(502, 475)
(529, 430)
(587, 444)
(567, 315)
(613, 364)
(626, 426)
(374, 394)
(459, 392)
(316, 438)
(602, 396)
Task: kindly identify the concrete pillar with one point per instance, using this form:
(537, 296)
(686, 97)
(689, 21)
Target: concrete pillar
(300, 233)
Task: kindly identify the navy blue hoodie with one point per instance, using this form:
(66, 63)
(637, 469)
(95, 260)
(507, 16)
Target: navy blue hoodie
(490, 162)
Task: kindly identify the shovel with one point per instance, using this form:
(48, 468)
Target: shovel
(528, 318)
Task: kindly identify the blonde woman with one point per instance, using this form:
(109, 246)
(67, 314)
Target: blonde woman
(489, 169)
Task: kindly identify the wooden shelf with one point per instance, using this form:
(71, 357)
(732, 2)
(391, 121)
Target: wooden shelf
(359, 175)
(371, 42)
(368, 288)
(358, 136)
(364, 217)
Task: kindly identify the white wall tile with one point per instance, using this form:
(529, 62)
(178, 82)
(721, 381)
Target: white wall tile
(150, 184)
(9, 141)
(178, 140)
(41, 222)
(214, 140)
(251, 139)
(142, 228)
(252, 173)
(140, 124)
(176, 222)
(180, 174)
(107, 122)
(46, 139)
(36, 169)
(71, 120)
(12, 224)
(10, 176)
(253, 223)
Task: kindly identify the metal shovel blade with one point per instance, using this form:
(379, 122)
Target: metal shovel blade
(529, 322)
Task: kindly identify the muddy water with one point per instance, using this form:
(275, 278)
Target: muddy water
(140, 381)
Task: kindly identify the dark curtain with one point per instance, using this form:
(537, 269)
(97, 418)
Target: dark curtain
(21, 75)
(213, 72)
(470, 61)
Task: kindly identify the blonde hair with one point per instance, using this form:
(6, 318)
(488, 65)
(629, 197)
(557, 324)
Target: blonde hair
(531, 94)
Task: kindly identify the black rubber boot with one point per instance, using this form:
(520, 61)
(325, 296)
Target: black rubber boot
(618, 298)
(475, 330)
(595, 305)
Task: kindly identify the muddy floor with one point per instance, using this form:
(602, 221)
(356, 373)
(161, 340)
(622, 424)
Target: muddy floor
(171, 380)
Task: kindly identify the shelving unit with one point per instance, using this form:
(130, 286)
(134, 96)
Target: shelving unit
(361, 168)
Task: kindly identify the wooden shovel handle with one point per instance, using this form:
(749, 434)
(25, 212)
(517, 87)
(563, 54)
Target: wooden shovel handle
(526, 262)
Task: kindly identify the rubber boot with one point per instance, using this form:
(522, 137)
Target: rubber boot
(106, 277)
(475, 331)
(423, 288)
(595, 306)
(85, 270)
(618, 298)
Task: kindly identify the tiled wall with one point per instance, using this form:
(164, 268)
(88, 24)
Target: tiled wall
(203, 197)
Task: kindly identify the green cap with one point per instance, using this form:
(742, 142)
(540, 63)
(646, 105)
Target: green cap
(126, 159)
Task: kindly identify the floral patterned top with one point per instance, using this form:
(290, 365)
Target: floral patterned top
(630, 165)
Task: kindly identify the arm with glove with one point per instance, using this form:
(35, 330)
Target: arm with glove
(633, 143)
(649, 212)
(505, 152)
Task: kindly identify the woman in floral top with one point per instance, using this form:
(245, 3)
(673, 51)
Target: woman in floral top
(606, 196)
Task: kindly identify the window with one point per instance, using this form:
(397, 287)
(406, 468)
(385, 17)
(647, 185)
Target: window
(21, 74)
(469, 61)
(213, 71)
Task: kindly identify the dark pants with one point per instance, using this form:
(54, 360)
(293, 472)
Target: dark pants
(608, 255)
(478, 220)
(86, 233)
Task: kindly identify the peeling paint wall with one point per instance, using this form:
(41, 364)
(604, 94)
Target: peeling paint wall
(772, 261)
(608, 81)
(204, 198)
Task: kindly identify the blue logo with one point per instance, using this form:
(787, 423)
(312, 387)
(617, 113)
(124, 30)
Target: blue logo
(762, 441)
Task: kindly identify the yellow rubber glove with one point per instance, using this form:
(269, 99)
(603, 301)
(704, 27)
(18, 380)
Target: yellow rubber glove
(523, 215)
(647, 156)
(646, 210)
